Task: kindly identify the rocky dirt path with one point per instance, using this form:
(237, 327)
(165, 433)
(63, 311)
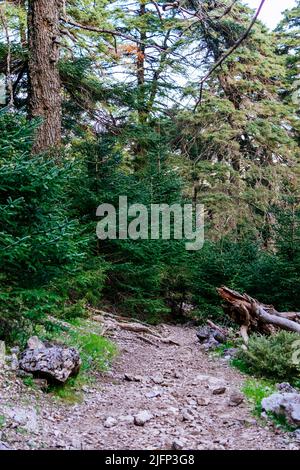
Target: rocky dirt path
(176, 388)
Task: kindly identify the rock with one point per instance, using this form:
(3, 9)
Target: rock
(4, 446)
(203, 401)
(2, 353)
(25, 417)
(110, 422)
(296, 435)
(142, 418)
(177, 444)
(35, 343)
(153, 394)
(186, 415)
(219, 390)
(284, 404)
(210, 337)
(53, 362)
(235, 399)
(14, 364)
(133, 378)
(157, 379)
(285, 387)
(209, 381)
(126, 419)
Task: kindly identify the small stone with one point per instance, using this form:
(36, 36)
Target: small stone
(142, 418)
(177, 444)
(219, 390)
(157, 379)
(110, 422)
(133, 378)
(186, 415)
(235, 399)
(177, 375)
(203, 401)
(153, 394)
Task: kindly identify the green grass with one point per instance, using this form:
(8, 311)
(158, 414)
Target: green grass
(2, 421)
(255, 390)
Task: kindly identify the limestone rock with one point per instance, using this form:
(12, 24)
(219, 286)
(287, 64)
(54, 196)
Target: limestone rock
(284, 404)
(54, 362)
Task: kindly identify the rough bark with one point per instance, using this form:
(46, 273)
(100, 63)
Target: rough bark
(44, 98)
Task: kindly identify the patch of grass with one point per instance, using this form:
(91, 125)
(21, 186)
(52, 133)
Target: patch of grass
(240, 364)
(256, 390)
(2, 421)
(28, 381)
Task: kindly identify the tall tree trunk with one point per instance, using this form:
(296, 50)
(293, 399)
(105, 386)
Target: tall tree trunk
(140, 65)
(44, 98)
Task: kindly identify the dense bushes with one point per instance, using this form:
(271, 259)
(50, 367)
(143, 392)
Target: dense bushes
(52, 262)
(272, 356)
(40, 245)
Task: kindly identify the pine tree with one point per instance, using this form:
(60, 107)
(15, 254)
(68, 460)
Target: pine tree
(240, 140)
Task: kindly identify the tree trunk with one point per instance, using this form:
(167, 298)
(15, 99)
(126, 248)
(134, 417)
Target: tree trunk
(252, 315)
(140, 66)
(44, 97)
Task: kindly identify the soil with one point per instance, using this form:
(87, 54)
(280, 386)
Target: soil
(180, 393)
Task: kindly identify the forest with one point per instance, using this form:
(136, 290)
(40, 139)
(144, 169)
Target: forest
(164, 102)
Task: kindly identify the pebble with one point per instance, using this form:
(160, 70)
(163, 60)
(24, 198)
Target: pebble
(219, 390)
(110, 422)
(141, 418)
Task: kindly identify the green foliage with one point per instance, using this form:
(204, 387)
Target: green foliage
(42, 249)
(272, 356)
(255, 390)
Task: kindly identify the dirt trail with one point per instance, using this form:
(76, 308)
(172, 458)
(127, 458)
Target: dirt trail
(173, 383)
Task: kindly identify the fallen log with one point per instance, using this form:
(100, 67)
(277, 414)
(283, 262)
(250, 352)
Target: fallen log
(253, 316)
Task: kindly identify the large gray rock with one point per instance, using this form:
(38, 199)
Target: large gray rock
(284, 404)
(53, 362)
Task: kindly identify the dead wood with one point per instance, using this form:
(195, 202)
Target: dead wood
(253, 316)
